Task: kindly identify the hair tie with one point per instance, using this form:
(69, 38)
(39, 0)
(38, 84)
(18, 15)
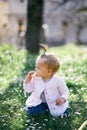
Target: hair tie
(44, 47)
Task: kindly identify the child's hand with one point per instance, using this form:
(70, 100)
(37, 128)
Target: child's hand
(60, 101)
(29, 76)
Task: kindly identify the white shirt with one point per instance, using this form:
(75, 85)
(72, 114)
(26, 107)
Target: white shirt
(53, 89)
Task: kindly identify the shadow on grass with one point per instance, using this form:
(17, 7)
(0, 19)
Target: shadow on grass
(12, 101)
(11, 108)
(47, 122)
(13, 115)
(78, 105)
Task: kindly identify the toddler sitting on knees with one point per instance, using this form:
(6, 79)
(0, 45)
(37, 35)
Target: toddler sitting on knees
(48, 91)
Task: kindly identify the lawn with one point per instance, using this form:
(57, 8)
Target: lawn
(14, 65)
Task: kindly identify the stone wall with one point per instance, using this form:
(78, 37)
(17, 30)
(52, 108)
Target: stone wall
(13, 11)
(3, 21)
(65, 21)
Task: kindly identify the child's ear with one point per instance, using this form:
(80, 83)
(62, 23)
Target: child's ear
(49, 71)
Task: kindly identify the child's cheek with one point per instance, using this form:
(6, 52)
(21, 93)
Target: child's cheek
(37, 73)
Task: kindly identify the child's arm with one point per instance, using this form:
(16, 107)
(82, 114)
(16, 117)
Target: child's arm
(28, 85)
(64, 91)
(29, 77)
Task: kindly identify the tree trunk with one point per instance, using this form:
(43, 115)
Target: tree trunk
(34, 22)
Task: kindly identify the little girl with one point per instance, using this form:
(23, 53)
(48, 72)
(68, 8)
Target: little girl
(49, 92)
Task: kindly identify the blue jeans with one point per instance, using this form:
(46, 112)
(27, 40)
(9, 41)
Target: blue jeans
(41, 108)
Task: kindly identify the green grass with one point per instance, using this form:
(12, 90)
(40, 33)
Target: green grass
(14, 65)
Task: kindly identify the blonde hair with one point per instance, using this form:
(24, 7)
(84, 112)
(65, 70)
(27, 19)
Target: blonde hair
(51, 61)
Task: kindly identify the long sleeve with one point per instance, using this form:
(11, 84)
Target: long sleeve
(28, 87)
(56, 88)
(36, 86)
(63, 89)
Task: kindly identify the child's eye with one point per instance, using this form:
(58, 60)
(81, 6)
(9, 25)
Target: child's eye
(37, 67)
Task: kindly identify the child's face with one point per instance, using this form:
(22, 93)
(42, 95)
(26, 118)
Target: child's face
(42, 70)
